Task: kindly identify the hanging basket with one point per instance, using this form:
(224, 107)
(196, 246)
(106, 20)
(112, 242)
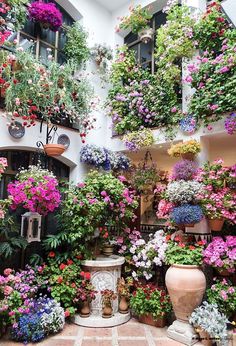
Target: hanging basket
(146, 35)
(54, 149)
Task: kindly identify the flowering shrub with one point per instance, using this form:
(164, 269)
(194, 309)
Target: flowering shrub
(45, 316)
(208, 318)
(184, 170)
(180, 192)
(178, 252)
(102, 157)
(178, 149)
(128, 238)
(223, 294)
(45, 13)
(221, 253)
(123, 287)
(186, 214)
(149, 299)
(213, 174)
(107, 297)
(137, 20)
(36, 190)
(136, 140)
(230, 123)
(147, 254)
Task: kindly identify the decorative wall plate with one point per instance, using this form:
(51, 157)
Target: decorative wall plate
(64, 140)
(16, 130)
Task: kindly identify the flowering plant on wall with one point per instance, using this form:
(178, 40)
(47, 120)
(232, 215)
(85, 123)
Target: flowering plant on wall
(36, 190)
(13, 12)
(192, 146)
(223, 294)
(46, 14)
(221, 254)
(3, 165)
(230, 123)
(182, 192)
(102, 55)
(136, 140)
(137, 20)
(184, 170)
(186, 214)
(213, 174)
(27, 92)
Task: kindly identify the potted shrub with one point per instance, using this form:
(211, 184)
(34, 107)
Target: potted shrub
(184, 276)
(137, 22)
(210, 324)
(223, 294)
(85, 294)
(46, 14)
(123, 291)
(219, 254)
(107, 297)
(150, 304)
(136, 140)
(186, 215)
(187, 150)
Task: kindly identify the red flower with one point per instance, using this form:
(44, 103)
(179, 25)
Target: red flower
(67, 313)
(181, 245)
(87, 276)
(200, 242)
(73, 285)
(177, 238)
(62, 266)
(51, 254)
(69, 262)
(60, 280)
(191, 247)
(2, 81)
(168, 237)
(82, 273)
(79, 257)
(220, 19)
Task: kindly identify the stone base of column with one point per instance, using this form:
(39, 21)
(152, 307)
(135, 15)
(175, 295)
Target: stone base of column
(100, 322)
(182, 332)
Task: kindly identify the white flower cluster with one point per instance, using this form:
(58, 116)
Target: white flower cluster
(53, 319)
(148, 254)
(94, 155)
(182, 192)
(169, 5)
(35, 172)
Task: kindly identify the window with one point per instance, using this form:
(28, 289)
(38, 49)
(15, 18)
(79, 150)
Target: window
(145, 52)
(44, 39)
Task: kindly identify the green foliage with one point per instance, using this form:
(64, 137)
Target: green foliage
(149, 299)
(123, 67)
(76, 47)
(180, 253)
(137, 20)
(17, 14)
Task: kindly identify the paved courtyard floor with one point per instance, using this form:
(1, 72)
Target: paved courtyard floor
(131, 333)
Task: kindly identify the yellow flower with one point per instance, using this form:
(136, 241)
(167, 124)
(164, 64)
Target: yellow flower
(192, 146)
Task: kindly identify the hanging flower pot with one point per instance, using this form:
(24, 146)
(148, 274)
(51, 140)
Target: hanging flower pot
(186, 285)
(160, 322)
(85, 309)
(188, 156)
(216, 224)
(54, 149)
(146, 35)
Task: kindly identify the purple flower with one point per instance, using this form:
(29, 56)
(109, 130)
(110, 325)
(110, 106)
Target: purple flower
(230, 124)
(46, 14)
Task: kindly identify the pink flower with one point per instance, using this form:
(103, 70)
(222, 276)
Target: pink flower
(7, 271)
(173, 109)
(122, 178)
(81, 185)
(7, 290)
(103, 193)
(223, 294)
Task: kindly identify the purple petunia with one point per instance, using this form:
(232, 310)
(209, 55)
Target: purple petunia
(47, 14)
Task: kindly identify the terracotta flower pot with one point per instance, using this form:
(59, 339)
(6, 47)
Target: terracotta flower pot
(54, 149)
(123, 305)
(188, 156)
(107, 249)
(216, 224)
(85, 310)
(205, 338)
(160, 322)
(107, 311)
(186, 285)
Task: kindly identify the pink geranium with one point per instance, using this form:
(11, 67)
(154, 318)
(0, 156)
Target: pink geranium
(164, 209)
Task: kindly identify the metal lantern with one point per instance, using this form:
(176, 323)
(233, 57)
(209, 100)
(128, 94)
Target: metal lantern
(31, 226)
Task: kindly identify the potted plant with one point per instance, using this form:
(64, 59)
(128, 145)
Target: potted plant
(184, 276)
(85, 294)
(187, 150)
(35, 189)
(210, 323)
(107, 241)
(230, 123)
(186, 215)
(136, 140)
(46, 14)
(183, 192)
(150, 304)
(123, 291)
(219, 254)
(107, 297)
(184, 170)
(102, 55)
(223, 294)
(214, 174)
(137, 22)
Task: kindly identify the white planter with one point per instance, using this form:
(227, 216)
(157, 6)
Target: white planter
(146, 35)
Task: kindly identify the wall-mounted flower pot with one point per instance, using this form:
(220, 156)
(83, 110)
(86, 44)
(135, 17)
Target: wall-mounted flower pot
(216, 224)
(54, 149)
(146, 35)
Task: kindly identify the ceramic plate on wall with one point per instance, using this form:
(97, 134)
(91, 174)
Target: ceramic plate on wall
(16, 130)
(64, 140)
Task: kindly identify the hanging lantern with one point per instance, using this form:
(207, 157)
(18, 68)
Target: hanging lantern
(31, 226)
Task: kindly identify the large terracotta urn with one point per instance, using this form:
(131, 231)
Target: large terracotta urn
(186, 285)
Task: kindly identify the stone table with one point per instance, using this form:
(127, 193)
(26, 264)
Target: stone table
(104, 274)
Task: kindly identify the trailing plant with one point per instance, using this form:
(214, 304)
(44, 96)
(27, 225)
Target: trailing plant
(230, 123)
(76, 46)
(137, 20)
(182, 192)
(144, 178)
(136, 140)
(186, 214)
(102, 55)
(15, 11)
(124, 66)
(184, 170)
(223, 294)
(46, 14)
(208, 318)
(192, 146)
(149, 299)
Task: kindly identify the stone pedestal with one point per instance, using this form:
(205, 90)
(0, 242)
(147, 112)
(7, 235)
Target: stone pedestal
(104, 274)
(183, 332)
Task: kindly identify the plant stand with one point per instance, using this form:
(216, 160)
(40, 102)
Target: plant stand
(183, 332)
(104, 270)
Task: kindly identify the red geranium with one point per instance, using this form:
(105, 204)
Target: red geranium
(60, 280)
(51, 254)
(62, 266)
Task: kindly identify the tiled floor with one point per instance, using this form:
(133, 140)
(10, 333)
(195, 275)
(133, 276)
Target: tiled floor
(132, 333)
